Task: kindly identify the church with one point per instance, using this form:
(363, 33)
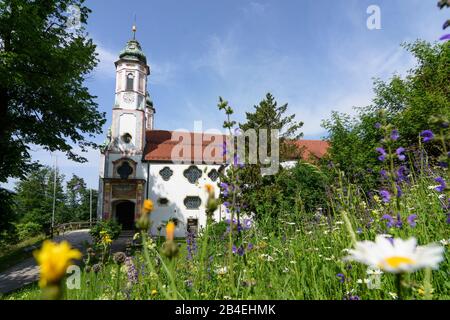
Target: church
(141, 162)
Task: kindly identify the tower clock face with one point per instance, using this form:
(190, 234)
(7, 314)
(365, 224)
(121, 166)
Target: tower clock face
(128, 98)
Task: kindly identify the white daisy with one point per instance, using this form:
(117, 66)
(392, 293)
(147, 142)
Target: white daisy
(393, 295)
(222, 270)
(372, 271)
(397, 257)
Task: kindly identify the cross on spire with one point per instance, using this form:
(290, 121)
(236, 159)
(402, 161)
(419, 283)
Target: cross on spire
(134, 28)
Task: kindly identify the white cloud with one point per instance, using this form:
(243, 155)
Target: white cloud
(107, 57)
(348, 82)
(89, 171)
(163, 73)
(255, 8)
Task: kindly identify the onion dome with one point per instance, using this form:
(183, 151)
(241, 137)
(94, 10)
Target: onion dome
(133, 51)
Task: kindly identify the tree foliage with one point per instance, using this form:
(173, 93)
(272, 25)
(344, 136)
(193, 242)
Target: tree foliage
(407, 103)
(43, 99)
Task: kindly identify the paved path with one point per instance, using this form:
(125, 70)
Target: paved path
(27, 271)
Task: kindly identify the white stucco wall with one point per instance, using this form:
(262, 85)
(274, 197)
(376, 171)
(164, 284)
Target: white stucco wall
(176, 190)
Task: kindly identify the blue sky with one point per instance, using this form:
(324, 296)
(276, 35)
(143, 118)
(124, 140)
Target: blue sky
(318, 56)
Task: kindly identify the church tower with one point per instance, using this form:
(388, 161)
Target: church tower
(123, 176)
(131, 112)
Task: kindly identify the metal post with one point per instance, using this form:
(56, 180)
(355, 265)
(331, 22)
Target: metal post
(54, 194)
(90, 208)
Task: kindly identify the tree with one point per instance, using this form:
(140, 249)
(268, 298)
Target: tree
(78, 199)
(267, 115)
(34, 198)
(43, 101)
(7, 215)
(408, 104)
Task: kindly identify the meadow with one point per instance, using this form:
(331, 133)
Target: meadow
(298, 256)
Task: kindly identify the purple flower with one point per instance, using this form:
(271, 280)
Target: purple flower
(237, 161)
(247, 224)
(385, 195)
(400, 154)
(382, 153)
(225, 189)
(442, 185)
(240, 251)
(399, 191)
(390, 220)
(377, 125)
(399, 222)
(402, 173)
(223, 185)
(427, 135)
(395, 135)
(132, 273)
(191, 245)
(341, 277)
(445, 37)
(412, 220)
(384, 173)
(249, 246)
(443, 164)
(224, 148)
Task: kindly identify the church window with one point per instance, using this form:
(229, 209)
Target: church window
(130, 82)
(213, 175)
(192, 202)
(124, 170)
(126, 137)
(166, 173)
(192, 174)
(141, 83)
(162, 202)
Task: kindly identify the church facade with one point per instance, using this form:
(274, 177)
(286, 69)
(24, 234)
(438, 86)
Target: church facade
(139, 162)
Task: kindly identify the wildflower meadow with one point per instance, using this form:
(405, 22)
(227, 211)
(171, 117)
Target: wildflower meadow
(388, 244)
(360, 213)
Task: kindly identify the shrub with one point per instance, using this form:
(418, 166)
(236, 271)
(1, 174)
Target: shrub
(112, 227)
(27, 230)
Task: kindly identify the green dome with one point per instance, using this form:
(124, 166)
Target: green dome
(133, 51)
(148, 101)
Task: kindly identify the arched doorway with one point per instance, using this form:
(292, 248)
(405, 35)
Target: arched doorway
(125, 214)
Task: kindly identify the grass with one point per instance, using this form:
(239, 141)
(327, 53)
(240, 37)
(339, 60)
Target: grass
(293, 257)
(13, 254)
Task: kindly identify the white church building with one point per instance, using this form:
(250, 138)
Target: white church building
(139, 162)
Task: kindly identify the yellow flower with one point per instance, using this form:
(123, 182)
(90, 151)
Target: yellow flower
(53, 260)
(106, 239)
(154, 292)
(170, 229)
(209, 188)
(148, 206)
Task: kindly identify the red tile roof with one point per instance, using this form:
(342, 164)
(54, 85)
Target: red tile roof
(313, 148)
(161, 143)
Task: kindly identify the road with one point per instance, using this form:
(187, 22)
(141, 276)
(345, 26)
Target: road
(27, 271)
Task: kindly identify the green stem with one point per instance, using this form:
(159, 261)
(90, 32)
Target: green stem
(398, 283)
(117, 282)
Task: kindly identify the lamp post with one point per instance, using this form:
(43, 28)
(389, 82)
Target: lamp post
(54, 194)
